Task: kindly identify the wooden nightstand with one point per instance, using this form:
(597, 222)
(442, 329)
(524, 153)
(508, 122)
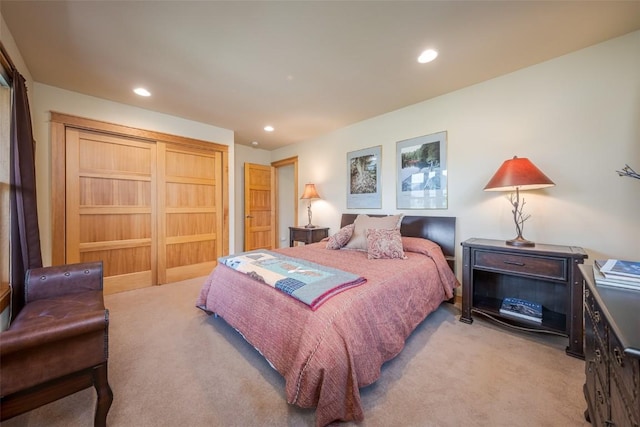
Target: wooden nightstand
(544, 274)
(307, 235)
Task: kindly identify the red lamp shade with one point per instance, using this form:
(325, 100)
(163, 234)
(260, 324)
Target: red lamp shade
(518, 173)
(515, 175)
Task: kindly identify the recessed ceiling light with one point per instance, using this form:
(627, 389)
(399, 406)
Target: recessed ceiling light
(427, 56)
(255, 143)
(142, 91)
(268, 128)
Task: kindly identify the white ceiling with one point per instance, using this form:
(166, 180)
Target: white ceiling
(305, 67)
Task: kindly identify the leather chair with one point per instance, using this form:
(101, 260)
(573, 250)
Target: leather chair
(58, 343)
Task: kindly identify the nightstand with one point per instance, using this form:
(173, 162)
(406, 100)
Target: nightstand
(544, 274)
(307, 235)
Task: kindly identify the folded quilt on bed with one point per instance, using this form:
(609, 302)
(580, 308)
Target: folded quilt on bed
(311, 283)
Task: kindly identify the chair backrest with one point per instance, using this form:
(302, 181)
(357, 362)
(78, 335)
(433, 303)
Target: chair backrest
(46, 282)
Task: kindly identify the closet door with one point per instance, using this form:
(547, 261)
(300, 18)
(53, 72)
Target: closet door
(190, 217)
(110, 207)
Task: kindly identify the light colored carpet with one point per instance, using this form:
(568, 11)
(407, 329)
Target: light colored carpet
(172, 365)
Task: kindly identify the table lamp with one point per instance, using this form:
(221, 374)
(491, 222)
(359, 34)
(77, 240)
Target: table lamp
(309, 194)
(518, 174)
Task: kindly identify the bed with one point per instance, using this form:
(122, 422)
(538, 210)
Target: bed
(327, 354)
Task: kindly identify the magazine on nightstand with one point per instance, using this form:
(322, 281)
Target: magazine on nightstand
(521, 309)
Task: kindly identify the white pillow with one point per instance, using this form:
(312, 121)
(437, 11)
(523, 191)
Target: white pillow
(365, 222)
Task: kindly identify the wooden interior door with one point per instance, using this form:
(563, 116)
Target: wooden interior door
(259, 207)
(110, 207)
(190, 214)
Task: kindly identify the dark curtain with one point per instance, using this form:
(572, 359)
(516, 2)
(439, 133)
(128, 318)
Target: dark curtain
(25, 235)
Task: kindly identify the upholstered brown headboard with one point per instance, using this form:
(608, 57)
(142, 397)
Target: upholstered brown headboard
(439, 229)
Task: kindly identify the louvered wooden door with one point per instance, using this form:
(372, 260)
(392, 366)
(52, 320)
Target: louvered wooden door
(111, 207)
(190, 218)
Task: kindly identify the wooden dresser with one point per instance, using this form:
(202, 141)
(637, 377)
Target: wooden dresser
(612, 353)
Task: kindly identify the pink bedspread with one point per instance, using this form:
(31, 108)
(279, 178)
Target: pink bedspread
(326, 355)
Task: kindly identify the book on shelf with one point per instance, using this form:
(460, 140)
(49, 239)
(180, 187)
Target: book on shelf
(521, 309)
(618, 282)
(620, 269)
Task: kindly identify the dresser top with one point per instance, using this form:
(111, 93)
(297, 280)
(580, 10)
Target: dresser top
(621, 308)
(538, 249)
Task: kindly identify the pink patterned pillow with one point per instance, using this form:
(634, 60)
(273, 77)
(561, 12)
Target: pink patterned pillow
(384, 244)
(341, 238)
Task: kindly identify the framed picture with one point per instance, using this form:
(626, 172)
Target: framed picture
(363, 186)
(422, 172)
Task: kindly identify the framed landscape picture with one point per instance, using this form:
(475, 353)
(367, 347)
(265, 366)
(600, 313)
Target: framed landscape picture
(422, 172)
(363, 186)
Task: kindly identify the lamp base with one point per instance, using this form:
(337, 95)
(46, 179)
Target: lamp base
(520, 242)
(310, 226)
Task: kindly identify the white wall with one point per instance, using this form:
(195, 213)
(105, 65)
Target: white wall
(576, 117)
(48, 98)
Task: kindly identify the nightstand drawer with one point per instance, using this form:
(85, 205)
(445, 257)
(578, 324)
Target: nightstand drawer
(534, 266)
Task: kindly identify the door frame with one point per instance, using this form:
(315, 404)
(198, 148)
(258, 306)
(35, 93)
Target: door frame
(59, 122)
(289, 161)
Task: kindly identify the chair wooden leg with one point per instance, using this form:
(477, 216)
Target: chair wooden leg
(105, 395)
